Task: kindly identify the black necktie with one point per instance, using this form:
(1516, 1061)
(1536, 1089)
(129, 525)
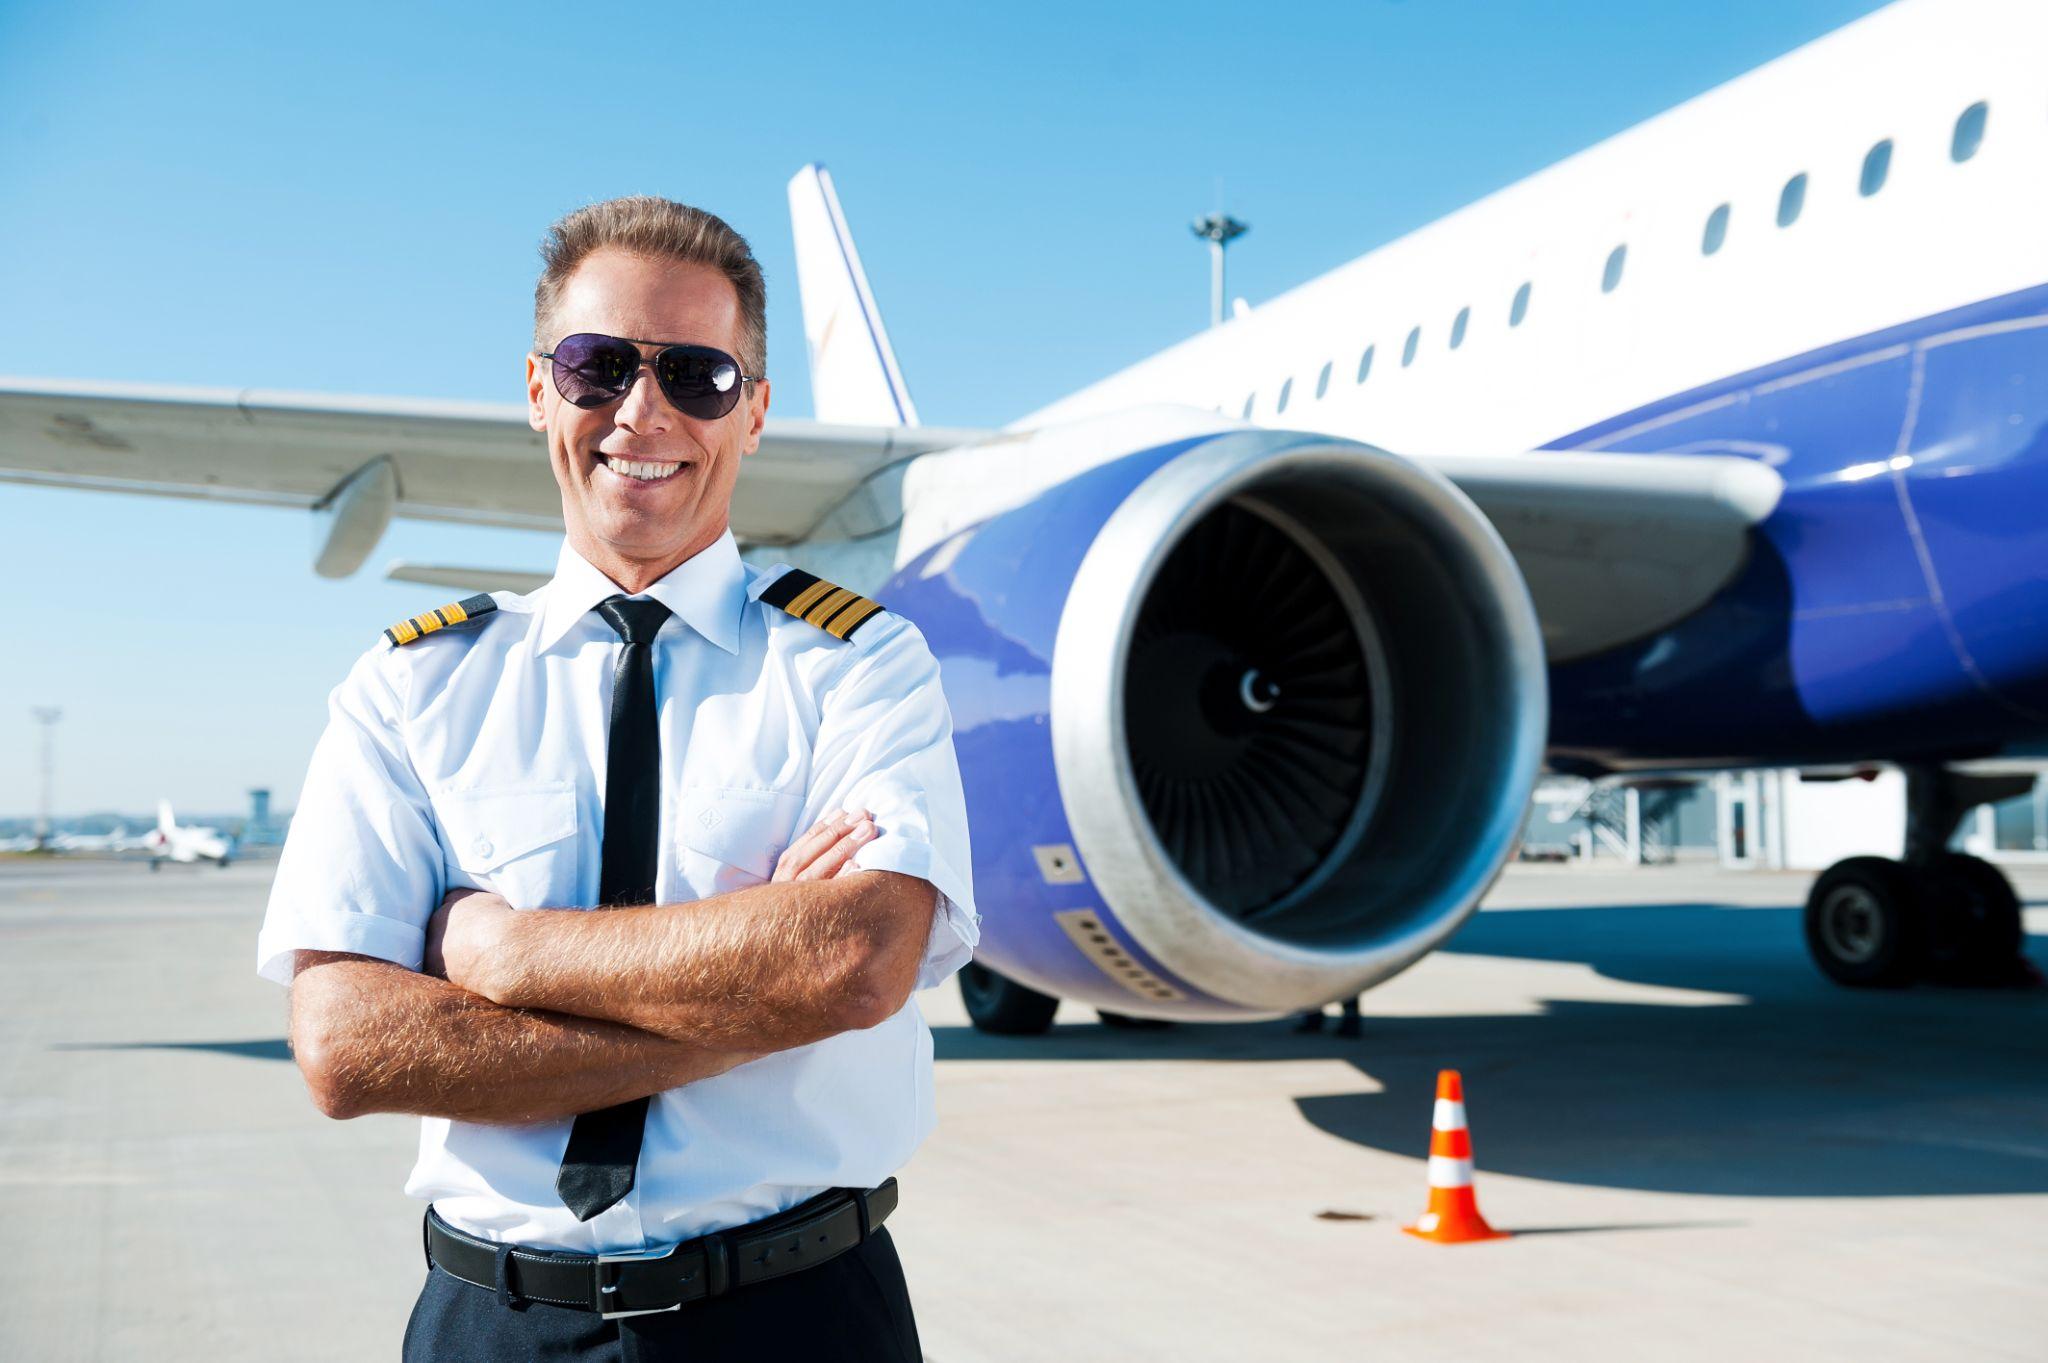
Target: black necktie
(604, 1146)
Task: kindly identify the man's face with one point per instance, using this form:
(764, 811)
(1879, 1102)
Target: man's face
(612, 515)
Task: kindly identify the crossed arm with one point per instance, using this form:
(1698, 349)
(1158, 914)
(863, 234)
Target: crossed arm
(528, 1016)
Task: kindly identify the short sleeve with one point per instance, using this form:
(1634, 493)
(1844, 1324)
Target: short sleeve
(361, 868)
(885, 744)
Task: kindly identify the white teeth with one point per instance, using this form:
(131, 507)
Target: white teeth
(644, 469)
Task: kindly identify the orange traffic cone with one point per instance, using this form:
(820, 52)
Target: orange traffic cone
(1453, 1215)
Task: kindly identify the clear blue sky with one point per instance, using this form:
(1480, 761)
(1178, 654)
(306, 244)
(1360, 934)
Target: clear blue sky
(347, 199)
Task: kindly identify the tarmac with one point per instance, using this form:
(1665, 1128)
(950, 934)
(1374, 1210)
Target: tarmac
(1704, 1150)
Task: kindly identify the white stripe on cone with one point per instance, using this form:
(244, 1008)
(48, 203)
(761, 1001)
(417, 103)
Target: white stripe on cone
(1445, 1172)
(1450, 1115)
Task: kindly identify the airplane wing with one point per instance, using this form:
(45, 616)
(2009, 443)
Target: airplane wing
(472, 462)
(1615, 546)
(1612, 545)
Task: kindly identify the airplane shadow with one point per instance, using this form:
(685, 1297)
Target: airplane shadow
(1791, 1088)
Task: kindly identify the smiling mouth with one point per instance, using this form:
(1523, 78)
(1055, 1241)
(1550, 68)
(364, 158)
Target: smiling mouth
(640, 470)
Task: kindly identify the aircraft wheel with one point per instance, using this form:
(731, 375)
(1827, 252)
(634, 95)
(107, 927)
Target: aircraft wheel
(1131, 1024)
(155, 865)
(1002, 1006)
(1976, 934)
(1866, 923)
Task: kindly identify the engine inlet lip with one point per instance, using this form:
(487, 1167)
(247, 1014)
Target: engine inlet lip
(1123, 855)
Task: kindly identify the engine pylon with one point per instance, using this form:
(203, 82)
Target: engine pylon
(1452, 1217)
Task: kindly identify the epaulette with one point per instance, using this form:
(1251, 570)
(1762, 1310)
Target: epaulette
(419, 626)
(837, 610)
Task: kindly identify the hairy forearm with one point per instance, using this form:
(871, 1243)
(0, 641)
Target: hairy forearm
(771, 966)
(375, 1037)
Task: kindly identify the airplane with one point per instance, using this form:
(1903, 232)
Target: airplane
(118, 840)
(1716, 445)
(172, 841)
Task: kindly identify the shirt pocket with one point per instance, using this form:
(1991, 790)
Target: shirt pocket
(729, 838)
(517, 841)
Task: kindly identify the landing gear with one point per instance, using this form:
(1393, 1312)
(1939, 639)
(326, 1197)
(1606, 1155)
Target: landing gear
(1002, 1006)
(1864, 923)
(1937, 915)
(1978, 938)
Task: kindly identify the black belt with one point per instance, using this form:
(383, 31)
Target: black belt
(636, 1282)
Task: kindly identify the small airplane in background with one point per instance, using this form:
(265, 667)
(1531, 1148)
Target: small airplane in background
(119, 840)
(168, 841)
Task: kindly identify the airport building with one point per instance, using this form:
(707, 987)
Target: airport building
(1771, 819)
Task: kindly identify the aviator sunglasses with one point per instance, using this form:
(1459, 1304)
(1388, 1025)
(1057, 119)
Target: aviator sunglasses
(591, 370)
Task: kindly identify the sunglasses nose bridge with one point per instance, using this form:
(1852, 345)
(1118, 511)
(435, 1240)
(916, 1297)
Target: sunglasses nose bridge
(642, 402)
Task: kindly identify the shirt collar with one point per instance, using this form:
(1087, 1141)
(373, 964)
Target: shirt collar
(707, 591)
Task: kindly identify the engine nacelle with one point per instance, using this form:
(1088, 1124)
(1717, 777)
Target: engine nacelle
(1247, 721)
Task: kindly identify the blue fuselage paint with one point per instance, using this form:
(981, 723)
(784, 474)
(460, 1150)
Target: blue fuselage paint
(1895, 604)
(990, 616)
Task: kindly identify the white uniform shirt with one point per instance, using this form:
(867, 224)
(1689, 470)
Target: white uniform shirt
(476, 757)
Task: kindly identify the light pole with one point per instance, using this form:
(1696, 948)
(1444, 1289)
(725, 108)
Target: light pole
(1219, 230)
(47, 716)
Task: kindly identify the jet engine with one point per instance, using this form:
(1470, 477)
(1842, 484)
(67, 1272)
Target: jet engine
(1248, 721)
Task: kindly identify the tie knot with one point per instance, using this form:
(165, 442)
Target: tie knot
(636, 621)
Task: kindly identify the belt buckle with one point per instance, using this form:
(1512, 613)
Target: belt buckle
(608, 1287)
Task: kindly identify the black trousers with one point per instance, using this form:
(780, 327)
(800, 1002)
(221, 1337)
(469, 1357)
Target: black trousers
(854, 1308)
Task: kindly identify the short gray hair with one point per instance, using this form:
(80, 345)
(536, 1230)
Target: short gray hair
(649, 226)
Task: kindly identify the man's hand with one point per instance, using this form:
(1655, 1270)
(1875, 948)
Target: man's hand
(371, 1036)
(826, 852)
(464, 931)
(815, 952)
(462, 934)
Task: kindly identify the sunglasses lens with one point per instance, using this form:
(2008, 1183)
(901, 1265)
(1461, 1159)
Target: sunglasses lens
(701, 382)
(591, 370)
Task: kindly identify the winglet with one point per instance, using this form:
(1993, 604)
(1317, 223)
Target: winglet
(854, 378)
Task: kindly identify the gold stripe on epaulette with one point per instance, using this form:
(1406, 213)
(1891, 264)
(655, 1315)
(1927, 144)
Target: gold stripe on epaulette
(809, 597)
(837, 610)
(820, 613)
(844, 623)
(441, 617)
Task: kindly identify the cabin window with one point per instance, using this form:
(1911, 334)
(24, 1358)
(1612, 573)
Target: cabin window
(1323, 379)
(1408, 350)
(1717, 231)
(1969, 134)
(1365, 364)
(1791, 199)
(1458, 327)
(1611, 276)
(1520, 307)
(1286, 391)
(1877, 163)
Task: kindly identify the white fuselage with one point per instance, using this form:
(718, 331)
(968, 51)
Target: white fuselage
(1938, 234)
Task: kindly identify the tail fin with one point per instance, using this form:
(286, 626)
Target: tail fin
(854, 378)
(165, 820)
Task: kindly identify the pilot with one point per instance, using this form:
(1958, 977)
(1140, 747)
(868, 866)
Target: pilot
(669, 1129)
